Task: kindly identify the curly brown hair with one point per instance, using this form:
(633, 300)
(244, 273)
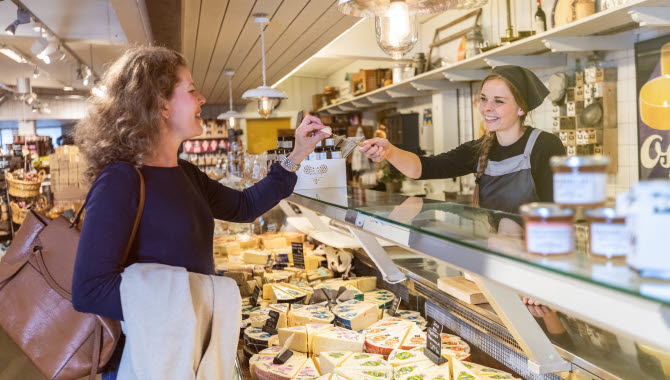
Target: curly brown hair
(124, 123)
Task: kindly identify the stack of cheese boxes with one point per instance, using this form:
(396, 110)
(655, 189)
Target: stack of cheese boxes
(68, 183)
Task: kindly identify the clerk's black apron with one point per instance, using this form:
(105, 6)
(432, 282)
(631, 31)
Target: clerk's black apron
(507, 184)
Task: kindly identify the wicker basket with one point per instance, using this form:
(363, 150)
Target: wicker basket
(18, 213)
(22, 189)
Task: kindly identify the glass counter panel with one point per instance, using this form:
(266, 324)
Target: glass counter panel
(502, 234)
(352, 197)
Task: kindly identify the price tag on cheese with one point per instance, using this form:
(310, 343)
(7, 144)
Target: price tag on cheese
(270, 326)
(393, 310)
(434, 342)
(254, 296)
(298, 255)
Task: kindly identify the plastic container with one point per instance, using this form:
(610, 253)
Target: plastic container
(549, 229)
(607, 233)
(580, 181)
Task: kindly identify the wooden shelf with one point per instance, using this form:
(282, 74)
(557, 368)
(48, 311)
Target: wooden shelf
(607, 22)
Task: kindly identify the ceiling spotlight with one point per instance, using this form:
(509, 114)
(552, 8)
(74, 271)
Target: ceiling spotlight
(22, 17)
(268, 98)
(51, 48)
(45, 109)
(36, 73)
(11, 29)
(68, 88)
(80, 76)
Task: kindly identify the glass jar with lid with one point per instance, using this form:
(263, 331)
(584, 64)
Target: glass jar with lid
(607, 233)
(549, 229)
(580, 181)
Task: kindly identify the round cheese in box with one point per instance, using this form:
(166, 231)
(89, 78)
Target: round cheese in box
(255, 339)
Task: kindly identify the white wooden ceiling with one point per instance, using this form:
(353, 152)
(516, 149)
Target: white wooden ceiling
(214, 35)
(219, 35)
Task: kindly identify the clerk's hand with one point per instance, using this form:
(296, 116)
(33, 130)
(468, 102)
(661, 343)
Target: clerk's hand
(376, 149)
(307, 135)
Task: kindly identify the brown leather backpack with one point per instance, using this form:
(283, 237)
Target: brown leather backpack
(36, 299)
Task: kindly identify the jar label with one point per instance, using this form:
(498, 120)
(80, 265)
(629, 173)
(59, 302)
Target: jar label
(549, 238)
(609, 239)
(580, 188)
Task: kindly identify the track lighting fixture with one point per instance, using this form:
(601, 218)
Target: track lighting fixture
(22, 17)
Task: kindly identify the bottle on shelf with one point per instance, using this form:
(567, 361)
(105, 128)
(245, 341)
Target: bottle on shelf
(540, 19)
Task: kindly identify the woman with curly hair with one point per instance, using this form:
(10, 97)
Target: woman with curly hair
(149, 108)
(510, 162)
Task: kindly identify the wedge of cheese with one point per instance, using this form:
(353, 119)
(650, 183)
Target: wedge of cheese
(275, 242)
(363, 363)
(338, 339)
(355, 315)
(298, 291)
(463, 370)
(266, 370)
(393, 333)
(413, 316)
(365, 374)
(366, 284)
(319, 274)
(299, 334)
(256, 257)
(454, 347)
(265, 355)
(256, 339)
(308, 371)
(400, 358)
(301, 315)
(263, 313)
(426, 373)
(312, 330)
(329, 360)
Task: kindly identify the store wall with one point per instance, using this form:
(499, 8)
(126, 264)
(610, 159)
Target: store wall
(60, 109)
(299, 92)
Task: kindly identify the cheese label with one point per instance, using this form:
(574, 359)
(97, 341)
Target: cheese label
(434, 343)
(253, 301)
(393, 310)
(270, 326)
(298, 255)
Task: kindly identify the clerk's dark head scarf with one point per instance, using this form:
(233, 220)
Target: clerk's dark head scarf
(529, 86)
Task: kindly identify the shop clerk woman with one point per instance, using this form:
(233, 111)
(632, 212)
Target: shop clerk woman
(149, 108)
(511, 160)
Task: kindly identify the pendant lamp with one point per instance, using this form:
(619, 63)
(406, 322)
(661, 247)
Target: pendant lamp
(268, 98)
(232, 116)
(396, 26)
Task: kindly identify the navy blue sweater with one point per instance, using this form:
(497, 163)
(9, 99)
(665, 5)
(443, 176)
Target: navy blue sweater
(176, 228)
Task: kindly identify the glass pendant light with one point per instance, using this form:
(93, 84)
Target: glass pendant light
(267, 97)
(395, 20)
(232, 116)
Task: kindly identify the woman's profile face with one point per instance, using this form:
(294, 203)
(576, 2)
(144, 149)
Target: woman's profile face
(498, 107)
(183, 108)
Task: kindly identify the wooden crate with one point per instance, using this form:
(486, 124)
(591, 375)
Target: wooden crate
(364, 81)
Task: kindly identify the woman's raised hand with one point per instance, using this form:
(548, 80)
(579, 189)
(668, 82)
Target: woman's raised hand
(307, 135)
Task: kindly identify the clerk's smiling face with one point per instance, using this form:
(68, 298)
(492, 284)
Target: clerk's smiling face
(183, 108)
(498, 107)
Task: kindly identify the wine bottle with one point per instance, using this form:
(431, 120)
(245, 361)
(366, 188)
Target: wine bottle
(540, 19)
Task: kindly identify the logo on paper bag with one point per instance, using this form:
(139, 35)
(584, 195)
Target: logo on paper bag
(315, 173)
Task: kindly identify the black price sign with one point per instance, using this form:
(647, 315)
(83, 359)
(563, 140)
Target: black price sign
(298, 255)
(434, 343)
(254, 297)
(393, 310)
(270, 326)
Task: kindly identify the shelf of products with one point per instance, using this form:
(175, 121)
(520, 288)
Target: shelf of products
(605, 22)
(603, 292)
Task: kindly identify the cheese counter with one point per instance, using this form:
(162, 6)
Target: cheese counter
(592, 317)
